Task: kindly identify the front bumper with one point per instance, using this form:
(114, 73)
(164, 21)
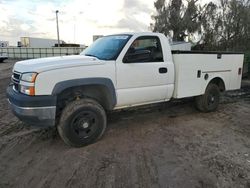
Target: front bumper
(34, 110)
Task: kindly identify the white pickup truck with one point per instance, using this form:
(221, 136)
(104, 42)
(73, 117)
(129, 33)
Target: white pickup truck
(73, 93)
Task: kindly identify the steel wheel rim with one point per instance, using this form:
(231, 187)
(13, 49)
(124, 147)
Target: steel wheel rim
(211, 100)
(85, 124)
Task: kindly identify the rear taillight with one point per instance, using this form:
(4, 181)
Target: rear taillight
(239, 71)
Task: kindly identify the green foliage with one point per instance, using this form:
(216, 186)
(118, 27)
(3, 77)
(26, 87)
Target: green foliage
(247, 58)
(224, 25)
(229, 25)
(175, 19)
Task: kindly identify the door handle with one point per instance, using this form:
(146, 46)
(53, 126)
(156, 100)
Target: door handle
(163, 70)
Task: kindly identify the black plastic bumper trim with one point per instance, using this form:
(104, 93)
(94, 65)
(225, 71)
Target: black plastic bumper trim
(23, 100)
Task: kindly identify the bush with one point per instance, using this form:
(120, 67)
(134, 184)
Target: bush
(247, 57)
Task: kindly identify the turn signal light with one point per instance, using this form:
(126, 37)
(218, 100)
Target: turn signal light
(28, 90)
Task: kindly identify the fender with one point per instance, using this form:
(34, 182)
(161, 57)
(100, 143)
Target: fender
(61, 86)
(213, 77)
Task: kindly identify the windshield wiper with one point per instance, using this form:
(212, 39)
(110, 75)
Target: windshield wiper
(91, 55)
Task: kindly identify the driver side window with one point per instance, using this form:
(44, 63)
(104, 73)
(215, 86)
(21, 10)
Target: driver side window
(144, 49)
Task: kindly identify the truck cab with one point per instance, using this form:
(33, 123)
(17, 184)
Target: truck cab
(144, 71)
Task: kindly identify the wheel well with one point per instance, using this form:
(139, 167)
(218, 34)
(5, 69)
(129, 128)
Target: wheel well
(219, 82)
(99, 93)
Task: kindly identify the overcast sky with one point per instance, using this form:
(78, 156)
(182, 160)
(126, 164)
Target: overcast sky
(79, 20)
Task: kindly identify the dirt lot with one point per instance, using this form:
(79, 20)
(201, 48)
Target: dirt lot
(166, 145)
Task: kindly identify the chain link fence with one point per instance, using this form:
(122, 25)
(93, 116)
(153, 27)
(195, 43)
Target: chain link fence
(32, 53)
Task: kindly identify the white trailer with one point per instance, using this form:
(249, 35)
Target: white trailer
(183, 46)
(38, 42)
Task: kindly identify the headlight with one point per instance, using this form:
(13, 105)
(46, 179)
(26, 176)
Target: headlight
(29, 77)
(28, 88)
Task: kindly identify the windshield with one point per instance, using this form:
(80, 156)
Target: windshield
(107, 48)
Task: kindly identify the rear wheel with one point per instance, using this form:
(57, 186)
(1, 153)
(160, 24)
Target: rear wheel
(82, 122)
(210, 100)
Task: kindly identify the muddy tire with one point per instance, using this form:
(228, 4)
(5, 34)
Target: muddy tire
(82, 122)
(210, 100)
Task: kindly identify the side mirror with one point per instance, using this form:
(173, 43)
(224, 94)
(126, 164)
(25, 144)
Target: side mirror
(137, 56)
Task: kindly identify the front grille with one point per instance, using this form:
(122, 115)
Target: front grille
(16, 75)
(15, 78)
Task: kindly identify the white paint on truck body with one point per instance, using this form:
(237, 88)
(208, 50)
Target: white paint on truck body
(139, 83)
(87, 69)
(187, 66)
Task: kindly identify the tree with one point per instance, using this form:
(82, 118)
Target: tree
(176, 19)
(225, 26)
(209, 28)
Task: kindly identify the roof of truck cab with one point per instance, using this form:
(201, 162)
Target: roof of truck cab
(136, 33)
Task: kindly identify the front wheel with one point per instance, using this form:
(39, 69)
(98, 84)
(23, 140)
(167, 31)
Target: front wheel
(210, 100)
(82, 122)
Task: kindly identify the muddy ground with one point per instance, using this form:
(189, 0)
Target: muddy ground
(165, 145)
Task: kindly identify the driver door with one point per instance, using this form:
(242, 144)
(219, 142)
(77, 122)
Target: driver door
(142, 75)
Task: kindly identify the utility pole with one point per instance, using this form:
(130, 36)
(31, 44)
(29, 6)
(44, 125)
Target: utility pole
(58, 39)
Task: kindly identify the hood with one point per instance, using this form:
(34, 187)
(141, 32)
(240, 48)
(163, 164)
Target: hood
(50, 63)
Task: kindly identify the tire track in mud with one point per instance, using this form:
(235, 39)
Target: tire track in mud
(212, 150)
(107, 169)
(147, 171)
